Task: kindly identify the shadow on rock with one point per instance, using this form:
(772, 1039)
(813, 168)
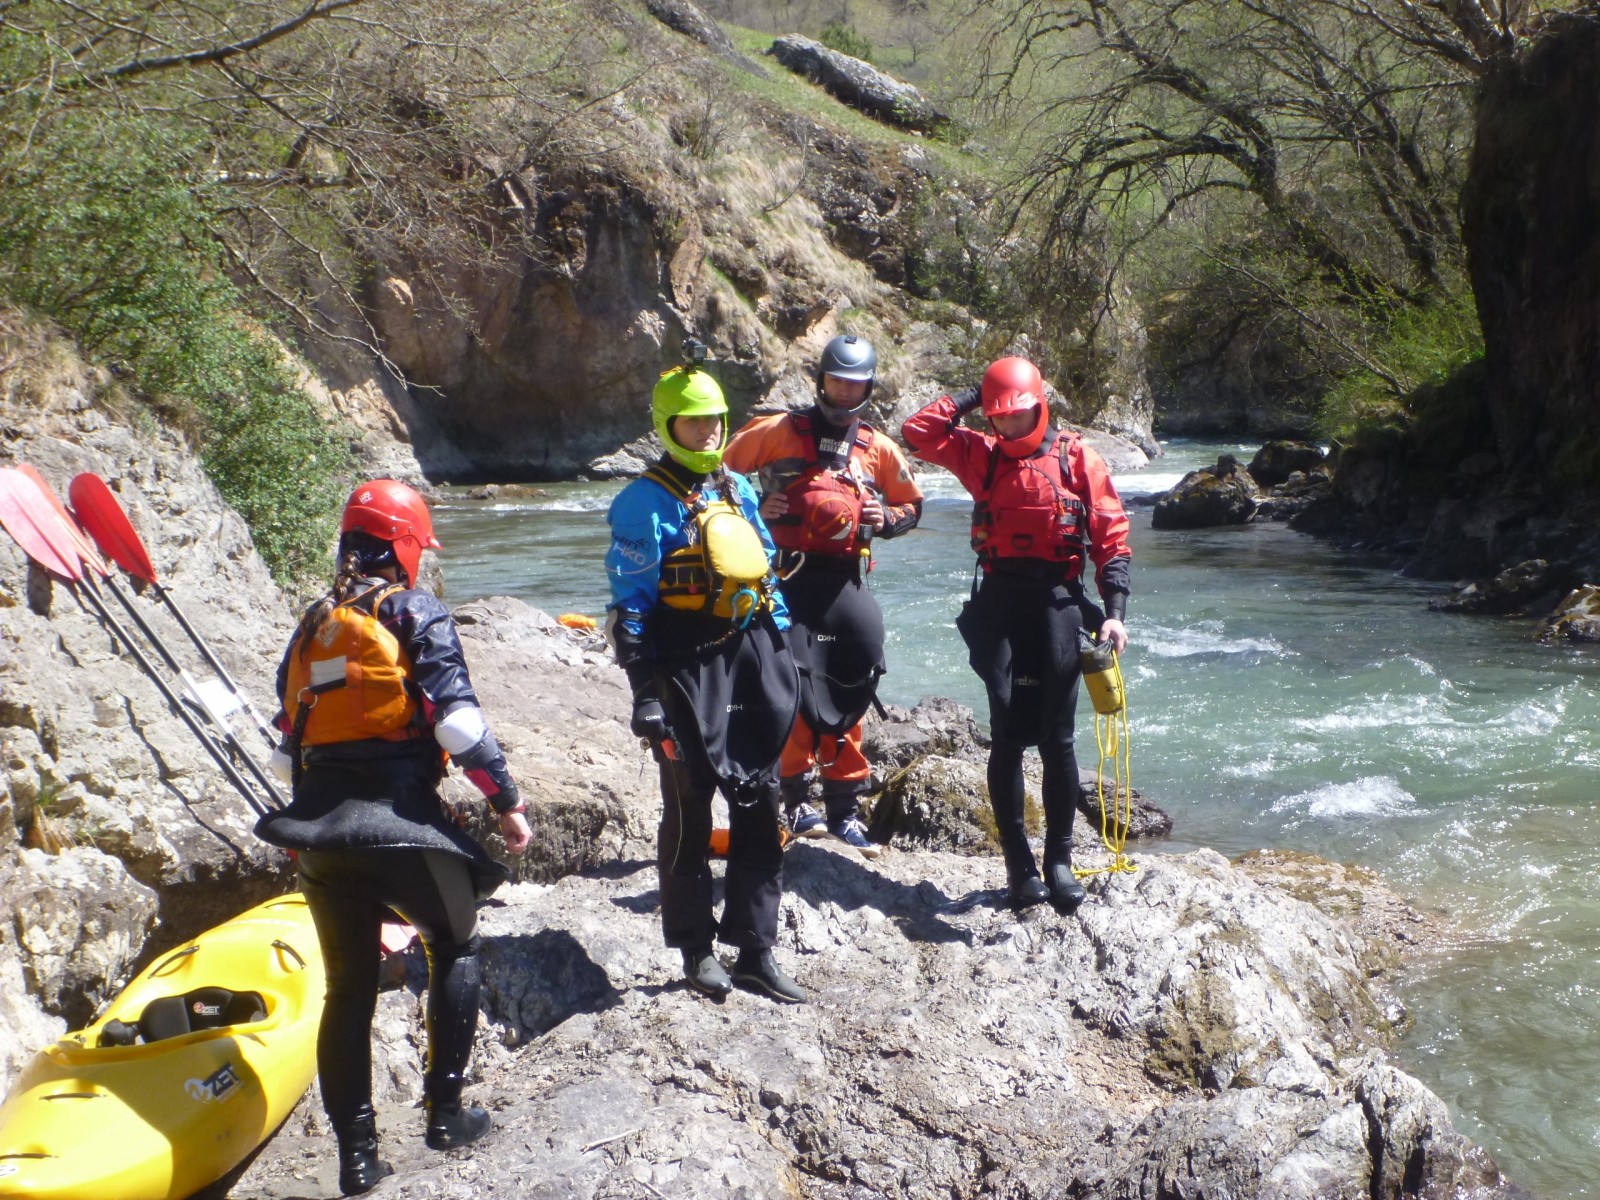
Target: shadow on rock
(532, 983)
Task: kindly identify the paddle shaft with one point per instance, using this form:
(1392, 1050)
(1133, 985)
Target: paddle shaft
(172, 698)
(216, 665)
(268, 784)
(46, 536)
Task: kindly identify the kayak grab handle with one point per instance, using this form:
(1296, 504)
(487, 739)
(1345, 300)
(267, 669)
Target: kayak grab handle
(184, 953)
(280, 944)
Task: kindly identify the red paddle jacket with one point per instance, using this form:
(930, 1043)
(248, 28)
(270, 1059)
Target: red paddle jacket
(1054, 506)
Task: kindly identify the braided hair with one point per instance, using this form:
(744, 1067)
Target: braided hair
(360, 554)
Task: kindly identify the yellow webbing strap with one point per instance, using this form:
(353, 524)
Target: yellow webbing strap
(1112, 738)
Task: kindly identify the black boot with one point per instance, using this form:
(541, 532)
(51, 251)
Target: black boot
(1066, 893)
(1027, 890)
(760, 972)
(359, 1165)
(705, 973)
(451, 1123)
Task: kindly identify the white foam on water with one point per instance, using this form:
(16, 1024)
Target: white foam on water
(1203, 637)
(1405, 713)
(1530, 717)
(1146, 483)
(1374, 796)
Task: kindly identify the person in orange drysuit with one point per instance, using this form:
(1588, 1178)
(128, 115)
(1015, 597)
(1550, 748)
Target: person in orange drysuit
(831, 486)
(1043, 505)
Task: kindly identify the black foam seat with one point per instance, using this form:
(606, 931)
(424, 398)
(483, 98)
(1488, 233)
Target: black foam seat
(203, 1008)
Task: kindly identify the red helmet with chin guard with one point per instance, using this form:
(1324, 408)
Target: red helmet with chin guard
(392, 512)
(1013, 385)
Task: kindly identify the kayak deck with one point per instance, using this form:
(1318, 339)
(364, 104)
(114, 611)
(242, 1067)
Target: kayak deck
(223, 1045)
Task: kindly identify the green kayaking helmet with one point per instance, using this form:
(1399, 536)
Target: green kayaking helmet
(688, 392)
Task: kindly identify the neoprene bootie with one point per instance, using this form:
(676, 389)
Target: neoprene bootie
(704, 973)
(1066, 893)
(758, 970)
(360, 1168)
(1027, 890)
(451, 1123)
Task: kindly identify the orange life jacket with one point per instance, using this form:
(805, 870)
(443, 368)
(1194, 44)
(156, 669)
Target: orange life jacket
(354, 678)
(825, 502)
(1027, 510)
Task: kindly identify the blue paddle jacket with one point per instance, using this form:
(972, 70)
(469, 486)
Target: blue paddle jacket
(647, 524)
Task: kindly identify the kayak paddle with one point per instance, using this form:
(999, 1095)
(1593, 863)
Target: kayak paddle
(44, 537)
(203, 697)
(103, 516)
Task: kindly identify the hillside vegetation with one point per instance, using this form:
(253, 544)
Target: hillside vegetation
(1267, 185)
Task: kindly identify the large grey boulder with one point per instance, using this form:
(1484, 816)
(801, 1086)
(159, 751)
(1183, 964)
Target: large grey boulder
(1189, 1032)
(1223, 495)
(1277, 460)
(858, 84)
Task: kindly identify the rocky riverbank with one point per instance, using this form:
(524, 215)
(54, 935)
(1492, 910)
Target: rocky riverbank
(1199, 1027)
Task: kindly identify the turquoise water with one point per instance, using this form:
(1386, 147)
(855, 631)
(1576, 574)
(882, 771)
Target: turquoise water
(1285, 693)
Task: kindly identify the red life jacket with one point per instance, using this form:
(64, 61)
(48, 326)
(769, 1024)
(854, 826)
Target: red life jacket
(1027, 510)
(825, 503)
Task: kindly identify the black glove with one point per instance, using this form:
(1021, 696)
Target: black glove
(649, 719)
(967, 399)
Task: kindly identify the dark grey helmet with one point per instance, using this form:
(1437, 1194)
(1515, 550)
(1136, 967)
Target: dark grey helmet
(847, 357)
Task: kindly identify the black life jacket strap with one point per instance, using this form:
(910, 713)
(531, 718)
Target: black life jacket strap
(857, 437)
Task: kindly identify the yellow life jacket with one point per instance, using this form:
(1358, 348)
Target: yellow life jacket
(353, 678)
(723, 570)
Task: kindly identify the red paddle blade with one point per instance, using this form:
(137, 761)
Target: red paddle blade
(97, 507)
(35, 526)
(81, 544)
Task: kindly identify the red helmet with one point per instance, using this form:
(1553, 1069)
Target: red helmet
(1013, 385)
(392, 512)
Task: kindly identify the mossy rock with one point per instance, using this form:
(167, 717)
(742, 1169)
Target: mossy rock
(940, 803)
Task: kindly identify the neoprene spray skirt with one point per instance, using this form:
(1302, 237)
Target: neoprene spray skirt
(730, 694)
(376, 804)
(836, 636)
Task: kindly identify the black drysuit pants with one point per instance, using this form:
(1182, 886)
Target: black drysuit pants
(754, 881)
(1022, 634)
(350, 894)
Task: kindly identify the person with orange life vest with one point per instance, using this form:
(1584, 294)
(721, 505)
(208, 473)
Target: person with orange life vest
(698, 625)
(831, 485)
(1043, 505)
(375, 692)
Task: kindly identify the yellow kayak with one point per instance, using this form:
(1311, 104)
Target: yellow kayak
(190, 1069)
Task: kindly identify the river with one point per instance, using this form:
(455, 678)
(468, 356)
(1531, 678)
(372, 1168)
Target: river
(1285, 693)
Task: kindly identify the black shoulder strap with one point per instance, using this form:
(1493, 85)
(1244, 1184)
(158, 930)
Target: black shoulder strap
(859, 434)
(657, 475)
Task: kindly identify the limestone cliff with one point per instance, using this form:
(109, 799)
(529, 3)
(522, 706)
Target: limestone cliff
(762, 223)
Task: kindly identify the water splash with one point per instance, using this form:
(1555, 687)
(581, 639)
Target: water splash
(1375, 796)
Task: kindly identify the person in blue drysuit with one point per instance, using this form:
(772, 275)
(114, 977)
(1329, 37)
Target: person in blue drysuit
(697, 623)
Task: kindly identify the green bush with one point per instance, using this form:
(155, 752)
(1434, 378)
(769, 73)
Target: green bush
(1418, 347)
(102, 231)
(837, 35)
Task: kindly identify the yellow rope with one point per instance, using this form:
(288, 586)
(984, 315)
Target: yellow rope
(1112, 737)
